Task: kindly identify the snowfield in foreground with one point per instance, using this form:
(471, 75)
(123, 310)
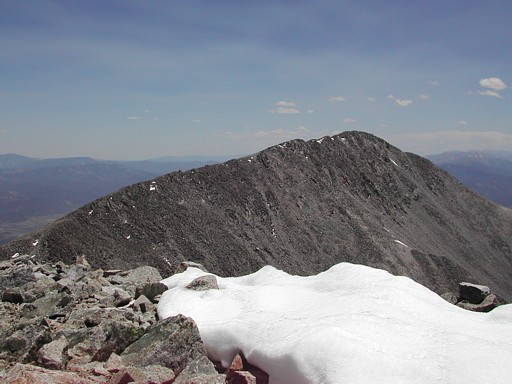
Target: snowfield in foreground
(350, 324)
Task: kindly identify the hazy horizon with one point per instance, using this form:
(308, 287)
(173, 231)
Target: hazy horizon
(141, 80)
(221, 158)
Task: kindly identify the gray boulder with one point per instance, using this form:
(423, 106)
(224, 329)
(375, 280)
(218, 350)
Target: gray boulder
(52, 305)
(203, 283)
(137, 276)
(21, 341)
(13, 295)
(98, 343)
(23, 374)
(51, 355)
(151, 290)
(173, 343)
(473, 293)
(115, 296)
(143, 304)
(16, 276)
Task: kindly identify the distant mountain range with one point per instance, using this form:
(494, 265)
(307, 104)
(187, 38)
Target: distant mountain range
(36, 191)
(488, 173)
(301, 207)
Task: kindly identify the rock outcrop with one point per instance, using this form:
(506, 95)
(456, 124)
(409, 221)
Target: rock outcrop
(75, 324)
(474, 297)
(301, 207)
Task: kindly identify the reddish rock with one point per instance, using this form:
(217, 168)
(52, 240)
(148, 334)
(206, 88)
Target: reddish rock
(242, 372)
(237, 364)
(51, 355)
(241, 377)
(488, 304)
(29, 374)
(128, 375)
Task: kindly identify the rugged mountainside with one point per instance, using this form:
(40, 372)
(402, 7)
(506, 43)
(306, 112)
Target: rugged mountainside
(34, 192)
(486, 173)
(302, 207)
(60, 189)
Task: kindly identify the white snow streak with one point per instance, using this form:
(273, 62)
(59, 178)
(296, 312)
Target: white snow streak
(399, 242)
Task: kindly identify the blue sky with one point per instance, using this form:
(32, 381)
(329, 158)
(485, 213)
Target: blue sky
(139, 79)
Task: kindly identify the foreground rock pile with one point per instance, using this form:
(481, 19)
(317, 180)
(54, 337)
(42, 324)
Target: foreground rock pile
(73, 324)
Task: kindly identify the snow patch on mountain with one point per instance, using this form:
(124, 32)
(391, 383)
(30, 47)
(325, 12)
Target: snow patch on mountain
(350, 324)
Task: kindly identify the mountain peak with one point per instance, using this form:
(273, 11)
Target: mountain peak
(301, 206)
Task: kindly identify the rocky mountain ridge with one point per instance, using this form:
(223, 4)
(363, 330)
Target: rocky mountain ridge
(34, 192)
(302, 207)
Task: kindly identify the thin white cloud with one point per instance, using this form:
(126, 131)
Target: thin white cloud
(285, 108)
(133, 118)
(493, 83)
(349, 120)
(310, 111)
(434, 83)
(280, 133)
(337, 98)
(285, 111)
(490, 93)
(403, 102)
(285, 104)
(400, 102)
(147, 111)
(492, 86)
(462, 122)
(371, 99)
(423, 97)
(427, 143)
(197, 121)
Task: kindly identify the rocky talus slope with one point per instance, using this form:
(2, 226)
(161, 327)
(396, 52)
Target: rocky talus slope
(74, 324)
(301, 207)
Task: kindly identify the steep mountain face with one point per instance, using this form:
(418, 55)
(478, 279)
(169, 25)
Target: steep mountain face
(26, 193)
(34, 192)
(301, 207)
(486, 173)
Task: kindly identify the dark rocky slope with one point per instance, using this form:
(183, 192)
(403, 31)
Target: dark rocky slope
(302, 207)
